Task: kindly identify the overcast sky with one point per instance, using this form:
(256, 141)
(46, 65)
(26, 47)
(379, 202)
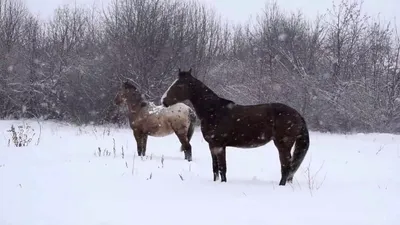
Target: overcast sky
(241, 10)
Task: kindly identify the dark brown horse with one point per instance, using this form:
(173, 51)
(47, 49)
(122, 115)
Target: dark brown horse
(147, 119)
(225, 123)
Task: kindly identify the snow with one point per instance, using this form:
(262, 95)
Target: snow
(352, 179)
(230, 105)
(277, 87)
(10, 68)
(282, 37)
(155, 109)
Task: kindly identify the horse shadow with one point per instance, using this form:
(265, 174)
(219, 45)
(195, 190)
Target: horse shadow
(150, 157)
(167, 157)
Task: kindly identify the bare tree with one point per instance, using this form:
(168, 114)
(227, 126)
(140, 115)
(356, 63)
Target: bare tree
(340, 70)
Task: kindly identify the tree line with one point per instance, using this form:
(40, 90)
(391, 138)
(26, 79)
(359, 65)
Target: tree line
(340, 70)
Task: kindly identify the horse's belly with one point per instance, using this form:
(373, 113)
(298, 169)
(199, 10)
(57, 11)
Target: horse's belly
(158, 129)
(250, 144)
(248, 139)
(162, 131)
(247, 143)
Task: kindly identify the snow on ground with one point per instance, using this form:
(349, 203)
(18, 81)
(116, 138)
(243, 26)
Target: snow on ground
(345, 179)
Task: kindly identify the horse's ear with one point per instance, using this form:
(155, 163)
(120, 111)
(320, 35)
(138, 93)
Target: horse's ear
(127, 85)
(179, 70)
(180, 74)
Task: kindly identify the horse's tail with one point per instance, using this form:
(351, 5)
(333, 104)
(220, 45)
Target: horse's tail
(193, 119)
(300, 150)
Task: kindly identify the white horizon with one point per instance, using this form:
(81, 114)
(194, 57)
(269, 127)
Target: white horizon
(239, 11)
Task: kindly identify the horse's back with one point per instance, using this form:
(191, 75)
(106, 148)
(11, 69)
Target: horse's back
(267, 111)
(284, 112)
(288, 122)
(178, 116)
(177, 110)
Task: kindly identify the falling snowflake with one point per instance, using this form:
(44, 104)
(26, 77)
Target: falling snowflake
(93, 112)
(154, 109)
(326, 75)
(282, 37)
(276, 87)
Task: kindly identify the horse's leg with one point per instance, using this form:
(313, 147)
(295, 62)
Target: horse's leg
(140, 143)
(222, 164)
(144, 144)
(284, 146)
(214, 164)
(185, 145)
(219, 162)
(188, 152)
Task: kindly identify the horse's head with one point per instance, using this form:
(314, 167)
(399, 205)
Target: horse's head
(179, 89)
(129, 93)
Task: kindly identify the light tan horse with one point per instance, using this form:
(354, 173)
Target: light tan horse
(147, 119)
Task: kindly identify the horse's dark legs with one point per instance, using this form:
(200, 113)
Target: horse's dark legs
(214, 164)
(222, 164)
(284, 157)
(187, 151)
(185, 146)
(144, 144)
(284, 146)
(141, 141)
(218, 155)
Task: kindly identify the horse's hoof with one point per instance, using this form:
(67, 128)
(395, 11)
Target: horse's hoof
(223, 179)
(216, 176)
(188, 157)
(282, 183)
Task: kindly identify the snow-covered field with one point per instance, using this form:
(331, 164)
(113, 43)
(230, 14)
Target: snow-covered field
(345, 179)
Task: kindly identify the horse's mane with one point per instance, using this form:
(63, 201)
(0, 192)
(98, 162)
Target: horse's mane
(143, 101)
(209, 93)
(128, 85)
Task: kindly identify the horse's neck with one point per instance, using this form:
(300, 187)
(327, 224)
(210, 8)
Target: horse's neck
(136, 111)
(208, 104)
